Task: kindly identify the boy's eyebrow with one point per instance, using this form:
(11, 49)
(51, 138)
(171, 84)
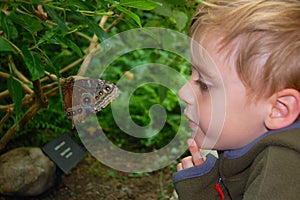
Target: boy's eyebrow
(201, 71)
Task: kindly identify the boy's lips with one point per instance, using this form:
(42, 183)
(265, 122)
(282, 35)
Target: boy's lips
(193, 125)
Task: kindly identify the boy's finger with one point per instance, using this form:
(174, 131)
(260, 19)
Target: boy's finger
(187, 162)
(194, 149)
(179, 167)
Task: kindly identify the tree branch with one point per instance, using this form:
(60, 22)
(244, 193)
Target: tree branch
(13, 130)
(6, 117)
(92, 48)
(115, 22)
(17, 73)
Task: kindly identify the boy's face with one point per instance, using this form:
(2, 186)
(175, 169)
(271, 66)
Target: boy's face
(218, 109)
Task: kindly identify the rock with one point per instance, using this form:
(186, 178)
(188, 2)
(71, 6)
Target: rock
(26, 171)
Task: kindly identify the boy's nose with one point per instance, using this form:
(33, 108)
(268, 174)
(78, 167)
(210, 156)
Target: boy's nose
(185, 93)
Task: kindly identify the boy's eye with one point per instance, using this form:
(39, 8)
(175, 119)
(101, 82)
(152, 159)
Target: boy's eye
(203, 86)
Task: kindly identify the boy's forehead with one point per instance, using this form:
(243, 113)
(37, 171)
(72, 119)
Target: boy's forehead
(206, 69)
(202, 58)
(207, 55)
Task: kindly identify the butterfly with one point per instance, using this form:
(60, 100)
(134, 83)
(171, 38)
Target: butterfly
(83, 96)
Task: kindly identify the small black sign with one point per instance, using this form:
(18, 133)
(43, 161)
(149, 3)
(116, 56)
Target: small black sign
(64, 152)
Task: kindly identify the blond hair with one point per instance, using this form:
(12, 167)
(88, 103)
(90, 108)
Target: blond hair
(266, 34)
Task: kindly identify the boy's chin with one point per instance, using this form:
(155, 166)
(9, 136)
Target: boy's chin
(206, 143)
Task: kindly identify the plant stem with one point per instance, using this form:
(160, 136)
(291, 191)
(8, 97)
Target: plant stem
(161, 184)
(6, 117)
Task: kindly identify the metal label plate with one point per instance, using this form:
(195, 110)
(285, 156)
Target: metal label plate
(64, 152)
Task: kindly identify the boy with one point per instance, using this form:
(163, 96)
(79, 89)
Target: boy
(254, 46)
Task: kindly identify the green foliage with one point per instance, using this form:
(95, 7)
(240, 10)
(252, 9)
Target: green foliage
(5, 45)
(51, 121)
(15, 87)
(50, 35)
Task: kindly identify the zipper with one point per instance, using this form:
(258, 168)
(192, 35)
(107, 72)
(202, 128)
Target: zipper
(219, 189)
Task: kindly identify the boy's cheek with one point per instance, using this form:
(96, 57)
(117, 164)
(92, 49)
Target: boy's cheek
(204, 118)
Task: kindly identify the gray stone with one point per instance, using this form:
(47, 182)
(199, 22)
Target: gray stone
(26, 171)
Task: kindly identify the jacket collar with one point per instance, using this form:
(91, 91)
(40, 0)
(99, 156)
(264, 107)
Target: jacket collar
(236, 153)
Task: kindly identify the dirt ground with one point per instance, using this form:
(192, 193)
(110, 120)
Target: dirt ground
(91, 180)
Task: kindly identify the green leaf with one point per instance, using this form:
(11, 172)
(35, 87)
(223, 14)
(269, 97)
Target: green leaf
(8, 27)
(27, 22)
(101, 34)
(34, 64)
(49, 65)
(140, 4)
(84, 5)
(134, 16)
(162, 93)
(71, 45)
(56, 18)
(164, 10)
(16, 93)
(5, 46)
(181, 19)
(177, 2)
(94, 27)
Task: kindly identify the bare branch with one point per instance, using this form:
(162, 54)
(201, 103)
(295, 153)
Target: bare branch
(52, 92)
(84, 36)
(92, 48)
(87, 61)
(13, 130)
(70, 66)
(115, 22)
(26, 101)
(4, 75)
(5, 118)
(17, 73)
(4, 94)
(6, 107)
(49, 86)
(53, 77)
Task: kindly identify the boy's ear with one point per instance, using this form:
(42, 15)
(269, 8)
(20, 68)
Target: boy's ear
(284, 109)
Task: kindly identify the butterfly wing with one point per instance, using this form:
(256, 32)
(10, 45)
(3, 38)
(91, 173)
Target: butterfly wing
(84, 96)
(106, 92)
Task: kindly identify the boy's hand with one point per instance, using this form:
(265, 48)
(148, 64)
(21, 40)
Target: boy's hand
(194, 160)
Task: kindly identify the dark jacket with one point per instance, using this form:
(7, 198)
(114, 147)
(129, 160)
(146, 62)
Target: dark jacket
(267, 168)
